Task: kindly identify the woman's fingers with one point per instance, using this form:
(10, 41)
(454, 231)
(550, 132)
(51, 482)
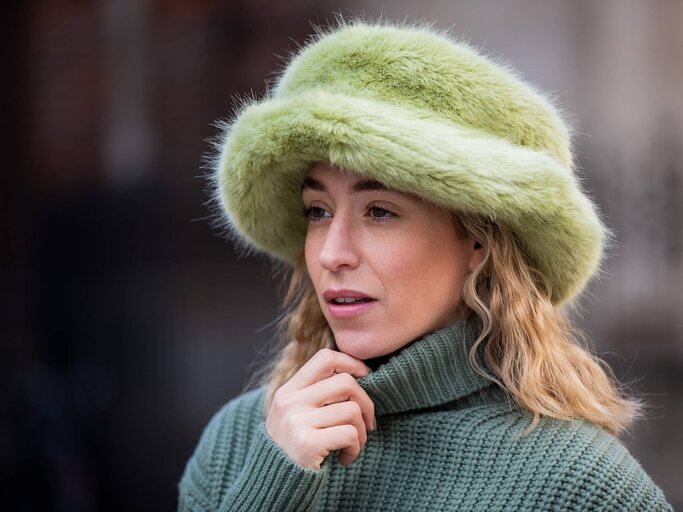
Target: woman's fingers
(342, 387)
(342, 413)
(343, 438)
(322, 408)
(324, 364)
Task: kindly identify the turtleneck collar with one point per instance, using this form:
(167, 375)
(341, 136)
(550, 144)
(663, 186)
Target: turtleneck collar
(430, 371)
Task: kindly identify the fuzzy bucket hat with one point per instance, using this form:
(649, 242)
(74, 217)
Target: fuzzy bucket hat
(422, 113)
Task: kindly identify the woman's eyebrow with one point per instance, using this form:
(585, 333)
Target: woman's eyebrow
(313, 184)
(359, 186)
(363, 185)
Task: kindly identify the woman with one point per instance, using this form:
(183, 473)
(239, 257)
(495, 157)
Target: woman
(426, 201)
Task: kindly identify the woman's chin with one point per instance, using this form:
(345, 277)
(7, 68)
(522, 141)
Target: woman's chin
(360, 347)
(366, 345)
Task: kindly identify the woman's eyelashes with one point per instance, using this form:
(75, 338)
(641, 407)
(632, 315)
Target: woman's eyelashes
(380, 211)
(314, 213)
(377, 212)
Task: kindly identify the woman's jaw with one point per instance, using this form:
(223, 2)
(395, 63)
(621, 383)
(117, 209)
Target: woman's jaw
(366, 331)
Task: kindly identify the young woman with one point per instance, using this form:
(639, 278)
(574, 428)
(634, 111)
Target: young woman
(426, 201)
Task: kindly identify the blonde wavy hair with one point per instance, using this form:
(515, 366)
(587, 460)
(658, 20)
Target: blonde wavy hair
(546, 366)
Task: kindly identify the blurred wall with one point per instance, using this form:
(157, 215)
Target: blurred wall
(127, 321)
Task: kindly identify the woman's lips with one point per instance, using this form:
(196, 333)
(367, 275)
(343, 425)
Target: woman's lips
(349, 310)
(340, 305)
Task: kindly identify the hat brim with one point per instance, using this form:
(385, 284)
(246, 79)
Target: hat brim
(270, 146)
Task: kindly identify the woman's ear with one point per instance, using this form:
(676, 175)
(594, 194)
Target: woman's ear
(477, 254)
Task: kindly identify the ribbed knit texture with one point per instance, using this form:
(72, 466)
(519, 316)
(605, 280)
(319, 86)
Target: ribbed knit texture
(445, 440)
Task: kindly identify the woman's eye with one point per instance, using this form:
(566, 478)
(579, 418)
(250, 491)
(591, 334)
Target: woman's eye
(316, 213)
(378, 212)
(313, 213)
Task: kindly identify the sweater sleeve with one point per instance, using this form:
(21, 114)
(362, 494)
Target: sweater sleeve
(238, 467)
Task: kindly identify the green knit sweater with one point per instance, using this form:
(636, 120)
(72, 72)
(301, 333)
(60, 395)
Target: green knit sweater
(445, 440)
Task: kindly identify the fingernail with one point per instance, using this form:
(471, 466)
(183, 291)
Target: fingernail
(374, 423)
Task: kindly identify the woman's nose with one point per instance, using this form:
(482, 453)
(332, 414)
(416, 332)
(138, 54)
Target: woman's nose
(339, 249)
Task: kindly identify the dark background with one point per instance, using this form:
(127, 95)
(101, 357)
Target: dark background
(127, 321)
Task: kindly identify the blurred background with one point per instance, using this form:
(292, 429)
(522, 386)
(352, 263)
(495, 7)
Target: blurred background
(127, 321)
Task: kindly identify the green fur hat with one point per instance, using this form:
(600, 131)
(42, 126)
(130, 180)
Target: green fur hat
(422, 113)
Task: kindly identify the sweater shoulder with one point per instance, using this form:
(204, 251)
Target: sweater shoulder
(222, 448)
(246, 407)
(570, 464)
(588, 465)
(601, 470)
(236, 419)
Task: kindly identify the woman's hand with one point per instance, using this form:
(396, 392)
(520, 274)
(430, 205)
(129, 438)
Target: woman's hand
(322, 408)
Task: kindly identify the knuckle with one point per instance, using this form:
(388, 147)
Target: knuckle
(347, 380)
(304, 442)
(281, 403)
(291, 423)
(350, 434)
(325, 356)
(354, 407)
(326, 352)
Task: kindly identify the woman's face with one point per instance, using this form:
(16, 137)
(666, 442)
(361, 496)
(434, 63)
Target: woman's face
(395, 261)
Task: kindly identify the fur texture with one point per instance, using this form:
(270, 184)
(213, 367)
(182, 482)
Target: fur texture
(422, 113)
